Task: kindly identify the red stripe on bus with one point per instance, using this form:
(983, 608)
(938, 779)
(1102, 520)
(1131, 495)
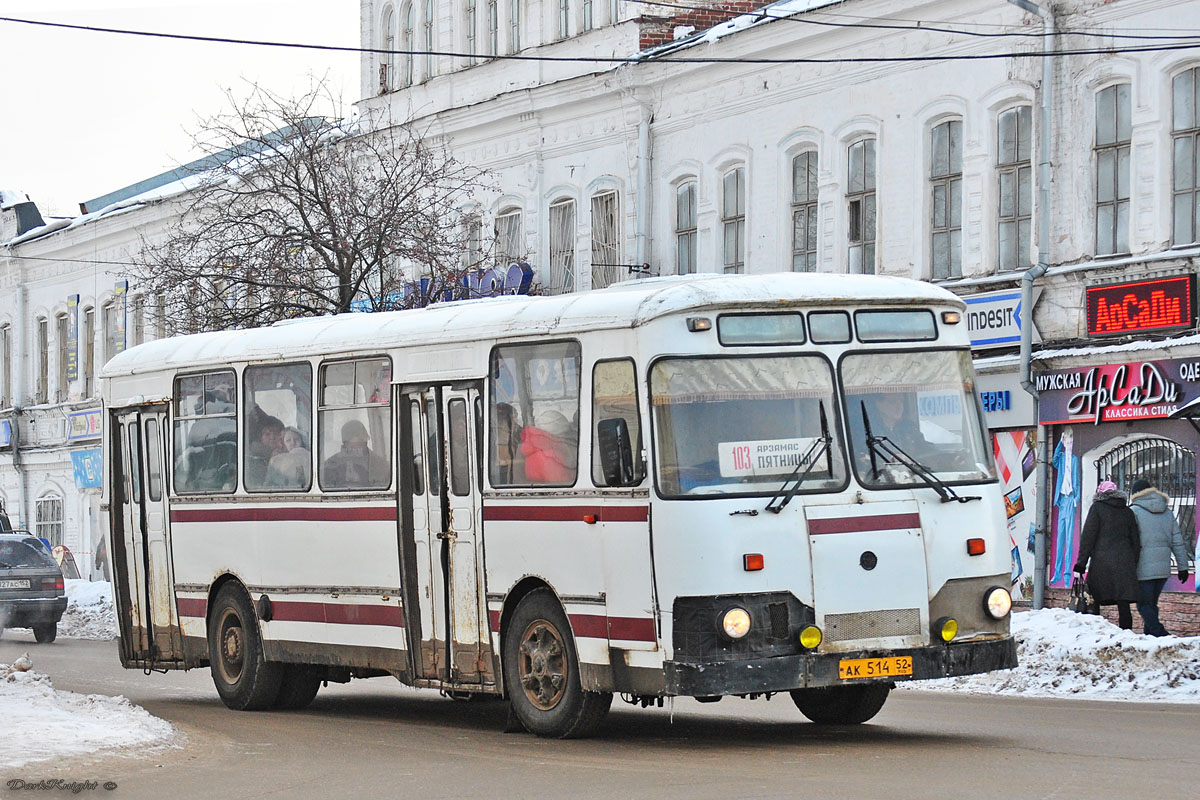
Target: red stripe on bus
(336, 613)
(881, 522)
(306, 611)
(326, 513)
(192, 606)
(493, 513)
(595, 626)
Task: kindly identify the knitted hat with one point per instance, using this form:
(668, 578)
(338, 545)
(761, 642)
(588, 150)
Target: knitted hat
(1106, 486)
(1140, 485)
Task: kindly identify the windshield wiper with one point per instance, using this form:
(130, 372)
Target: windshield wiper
(819, 448)
(891, 451)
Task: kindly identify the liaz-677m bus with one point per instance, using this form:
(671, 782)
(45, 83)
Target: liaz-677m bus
(697, 486)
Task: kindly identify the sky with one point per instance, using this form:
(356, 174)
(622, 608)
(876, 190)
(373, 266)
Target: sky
(85, 113)
(1060, 654)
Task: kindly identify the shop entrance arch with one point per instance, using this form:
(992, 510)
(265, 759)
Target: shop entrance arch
(1168, 465)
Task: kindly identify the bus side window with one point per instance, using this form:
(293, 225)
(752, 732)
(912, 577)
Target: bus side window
(205, 429)
(355, 425)
(615, 407)
(277, 418)
(534, 415)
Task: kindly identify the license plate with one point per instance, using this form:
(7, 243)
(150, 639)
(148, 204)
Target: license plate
(892, 667)
(14, 584)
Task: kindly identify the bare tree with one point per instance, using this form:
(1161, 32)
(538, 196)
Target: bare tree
(294, 214)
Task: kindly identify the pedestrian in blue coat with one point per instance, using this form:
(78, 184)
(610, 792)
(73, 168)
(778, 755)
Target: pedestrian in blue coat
(1158, 532)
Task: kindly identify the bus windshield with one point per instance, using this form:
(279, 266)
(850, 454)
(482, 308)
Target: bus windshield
(923, 404)
(743, 425)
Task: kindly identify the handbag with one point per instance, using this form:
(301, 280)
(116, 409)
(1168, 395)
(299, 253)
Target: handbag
(1082, 601)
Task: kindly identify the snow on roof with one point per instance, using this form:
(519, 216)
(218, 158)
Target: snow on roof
(627, 304)
(1128, 347)
(768, 13)
(11, 197)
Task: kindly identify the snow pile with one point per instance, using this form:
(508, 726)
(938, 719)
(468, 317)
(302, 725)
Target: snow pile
(1064, 654)
(40, 722)
(89, 613)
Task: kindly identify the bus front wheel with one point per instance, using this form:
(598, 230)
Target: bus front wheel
(541, 672)
(245, 680)
(841, 705)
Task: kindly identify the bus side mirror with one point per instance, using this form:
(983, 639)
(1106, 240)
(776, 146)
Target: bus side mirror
(616, 452)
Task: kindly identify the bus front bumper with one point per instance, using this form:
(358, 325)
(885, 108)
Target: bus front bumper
(805, 670)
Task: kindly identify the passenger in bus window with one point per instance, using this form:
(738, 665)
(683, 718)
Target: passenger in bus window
(550, 449)
(292, 468)
(267, 442)
(509, 465)
(355, 466)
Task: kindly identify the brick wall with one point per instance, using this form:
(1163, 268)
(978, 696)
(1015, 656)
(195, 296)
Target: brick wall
(656, 30)
(1179, 611)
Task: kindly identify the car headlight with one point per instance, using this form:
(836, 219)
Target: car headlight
(998, 602)
(735, 622)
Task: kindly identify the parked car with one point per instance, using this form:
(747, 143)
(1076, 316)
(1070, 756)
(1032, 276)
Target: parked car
(31, 586)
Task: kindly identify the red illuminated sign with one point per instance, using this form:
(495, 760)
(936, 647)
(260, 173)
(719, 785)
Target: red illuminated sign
(1143, 306)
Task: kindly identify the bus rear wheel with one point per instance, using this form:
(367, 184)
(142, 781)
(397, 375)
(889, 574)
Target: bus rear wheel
(541, 672)
(245, 680)
(299, 686)
(841, 705)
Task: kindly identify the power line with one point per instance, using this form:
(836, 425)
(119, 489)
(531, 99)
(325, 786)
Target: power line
(635, 59)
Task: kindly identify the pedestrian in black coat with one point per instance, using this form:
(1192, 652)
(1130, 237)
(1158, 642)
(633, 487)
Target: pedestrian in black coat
(1110, 542)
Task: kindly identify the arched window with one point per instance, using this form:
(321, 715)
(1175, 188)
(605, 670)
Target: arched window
(514, 26)
(606, 240)
(48, 518)
(493, 23)
(429, 39)
(471, 30)
(387, 39)
(510, 237)
(406, 44)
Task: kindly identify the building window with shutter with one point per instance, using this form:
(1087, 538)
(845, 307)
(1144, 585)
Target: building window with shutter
(43, 357)
(733, 220)
(804, 212)
(860, 207)
(1015, 178)
(945, 188)
(63, 346)
(562, 247)
(685, 228)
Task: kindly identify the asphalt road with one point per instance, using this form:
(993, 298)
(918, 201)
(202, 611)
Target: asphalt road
(378, 739)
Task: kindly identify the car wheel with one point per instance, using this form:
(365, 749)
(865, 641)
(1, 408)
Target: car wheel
(45, 633)
(841, 705)
(541, 672)
(245, 680)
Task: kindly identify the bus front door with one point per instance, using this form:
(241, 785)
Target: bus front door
(450, 640)
(141, 548)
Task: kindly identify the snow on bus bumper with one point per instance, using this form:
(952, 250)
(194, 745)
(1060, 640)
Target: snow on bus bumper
(783, 673)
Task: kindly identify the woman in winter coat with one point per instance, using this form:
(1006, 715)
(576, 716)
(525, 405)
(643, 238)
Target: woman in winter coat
(1160, 538)
(1110, 542)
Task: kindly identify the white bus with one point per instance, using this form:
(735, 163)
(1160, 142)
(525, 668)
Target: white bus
(697, 486)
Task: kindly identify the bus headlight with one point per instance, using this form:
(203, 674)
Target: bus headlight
(810, 637)
(735, 623)
(945, 629)
(998, 602)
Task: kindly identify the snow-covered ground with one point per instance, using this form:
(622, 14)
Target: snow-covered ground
(89, 613)
(1061, 654)
(1064, 654)
(40, 722)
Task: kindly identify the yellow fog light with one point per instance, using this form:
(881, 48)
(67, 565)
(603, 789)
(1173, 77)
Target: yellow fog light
(998, 602)
(736, 622)
(945, 629)
(810, 637)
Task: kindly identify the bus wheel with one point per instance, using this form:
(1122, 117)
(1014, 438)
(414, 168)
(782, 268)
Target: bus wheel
(299, 686)
(841, 705)
(541, 672)
(244, 679)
